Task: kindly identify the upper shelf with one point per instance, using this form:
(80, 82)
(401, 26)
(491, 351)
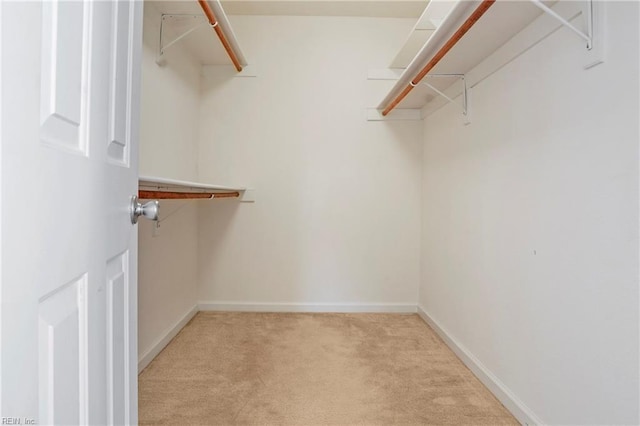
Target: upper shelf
(162, 188)
(501, 22)
(431, 18)
(184, 23)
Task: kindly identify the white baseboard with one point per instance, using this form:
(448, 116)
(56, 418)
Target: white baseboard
(521, 412)
(307, 307)
(164, 341)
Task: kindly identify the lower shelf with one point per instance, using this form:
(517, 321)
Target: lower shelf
(168, 195)
(162, 188)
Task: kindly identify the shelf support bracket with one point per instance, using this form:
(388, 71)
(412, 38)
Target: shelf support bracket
(163, 44)
(465, 95)
(588, 37)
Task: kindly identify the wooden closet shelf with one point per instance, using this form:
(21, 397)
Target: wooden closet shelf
(150, 187)
(167, 195)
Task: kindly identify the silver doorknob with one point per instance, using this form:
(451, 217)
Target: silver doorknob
(150, 209)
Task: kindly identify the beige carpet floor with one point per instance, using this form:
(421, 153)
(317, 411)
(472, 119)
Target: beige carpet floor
(312, 369)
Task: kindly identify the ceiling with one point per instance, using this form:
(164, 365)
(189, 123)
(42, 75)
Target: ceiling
(368, 8)
(365, 8)
(203, 45)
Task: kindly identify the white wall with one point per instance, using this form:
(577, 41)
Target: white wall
(167, 279)
(530, 227)
(338, 198)
(170, 105)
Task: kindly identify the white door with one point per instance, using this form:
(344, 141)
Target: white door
(70, 86)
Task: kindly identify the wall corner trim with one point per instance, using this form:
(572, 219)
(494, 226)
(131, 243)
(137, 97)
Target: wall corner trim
(217, 306)
(169, 334)
(521, 412)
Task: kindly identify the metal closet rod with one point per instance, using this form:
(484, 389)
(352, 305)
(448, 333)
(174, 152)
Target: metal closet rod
(466, 26)
(223, 39)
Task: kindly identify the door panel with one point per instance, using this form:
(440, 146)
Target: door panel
(121, 34)
(117, 339)
(64, 43)
(69, 127)
(61, 354)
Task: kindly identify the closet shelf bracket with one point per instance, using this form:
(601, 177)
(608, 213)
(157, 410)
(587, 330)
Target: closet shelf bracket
(465, 93)
(199, 21)
(390, 74)
(588, 36)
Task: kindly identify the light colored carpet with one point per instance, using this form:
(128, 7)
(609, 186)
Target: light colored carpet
(312, 369)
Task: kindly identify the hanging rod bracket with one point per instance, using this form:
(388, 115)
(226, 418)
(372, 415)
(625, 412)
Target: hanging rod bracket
(588, 36)
(199, 21)
(465, 93)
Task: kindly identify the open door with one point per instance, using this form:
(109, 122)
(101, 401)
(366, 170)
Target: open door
(70, 76)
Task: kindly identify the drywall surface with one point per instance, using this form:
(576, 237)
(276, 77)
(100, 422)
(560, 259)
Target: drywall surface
(530, 227)
(336, 216)
(170, 106)
(167, 277)
(167, 273)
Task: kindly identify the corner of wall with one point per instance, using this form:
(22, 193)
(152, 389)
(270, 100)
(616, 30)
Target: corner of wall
(168, 148)
(165, 338)
(499, 389)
